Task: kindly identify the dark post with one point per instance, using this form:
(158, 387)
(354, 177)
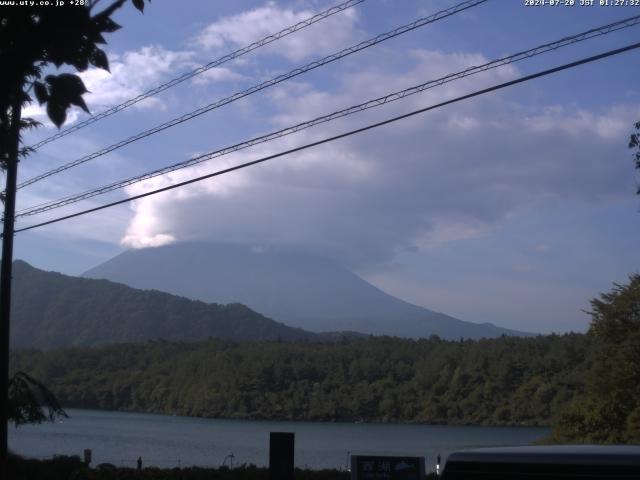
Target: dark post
(5, 277)
(281, 449)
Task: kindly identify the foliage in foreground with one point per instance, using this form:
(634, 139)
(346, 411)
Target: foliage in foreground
(504, 381)
(71, 468)
(30, 401)
(610, 411)
(34, 38)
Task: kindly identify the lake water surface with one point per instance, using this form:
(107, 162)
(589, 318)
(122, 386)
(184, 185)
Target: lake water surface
(169, 441)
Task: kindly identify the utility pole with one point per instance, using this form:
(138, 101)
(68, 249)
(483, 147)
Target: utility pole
(5, 274)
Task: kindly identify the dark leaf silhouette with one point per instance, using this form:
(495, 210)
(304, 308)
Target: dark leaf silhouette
(27, 399)
(65, 89)
(57, 113)
(29, 123)
(99, 59)
(66, 84)
(40, 89)
(106, 25)
(139, 4)
(79, 102)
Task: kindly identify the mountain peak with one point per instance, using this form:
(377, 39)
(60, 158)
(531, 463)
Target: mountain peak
(301, 290)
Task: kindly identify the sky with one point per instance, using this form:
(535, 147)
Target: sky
(516, 207)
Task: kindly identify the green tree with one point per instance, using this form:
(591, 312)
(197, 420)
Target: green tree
(634, 143)
(414, 381)
(34, 41)
(610, 412)
(31, 402)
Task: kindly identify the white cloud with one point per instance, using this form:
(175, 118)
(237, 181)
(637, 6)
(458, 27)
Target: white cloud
(133, 73)
(100, 227)
(326, 36)
(218, 74)
(445, 231)
(608, 126)
(376, 81)
(39, 113)
(157, 240)
(448, 175)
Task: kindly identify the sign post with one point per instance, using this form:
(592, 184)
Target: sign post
(281, 455)
(367, 467)
(87, 456)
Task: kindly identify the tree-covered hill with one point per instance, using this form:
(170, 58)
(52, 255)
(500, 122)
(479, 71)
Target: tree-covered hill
(51, 310)
(504, 381)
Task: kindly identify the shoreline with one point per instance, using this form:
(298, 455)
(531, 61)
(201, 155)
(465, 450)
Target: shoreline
(302, 420)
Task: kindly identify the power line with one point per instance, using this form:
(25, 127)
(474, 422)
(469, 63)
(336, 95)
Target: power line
(344, 135)
(256, 88)
(594, 32)
(215, 63)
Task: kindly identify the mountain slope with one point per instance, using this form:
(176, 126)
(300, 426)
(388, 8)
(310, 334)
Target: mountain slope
(300, 290)
(52, 310)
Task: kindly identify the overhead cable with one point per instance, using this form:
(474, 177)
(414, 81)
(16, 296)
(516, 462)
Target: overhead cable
(594, 32)
(342, 135)
(186, 76)
(256, 88)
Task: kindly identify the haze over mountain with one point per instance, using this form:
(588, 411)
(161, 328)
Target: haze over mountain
(300, 290)
(54, 310)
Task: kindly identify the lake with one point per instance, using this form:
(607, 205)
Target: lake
(170, 441)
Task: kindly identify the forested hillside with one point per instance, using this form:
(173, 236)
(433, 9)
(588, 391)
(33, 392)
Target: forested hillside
(502, 381)
(52, 310)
